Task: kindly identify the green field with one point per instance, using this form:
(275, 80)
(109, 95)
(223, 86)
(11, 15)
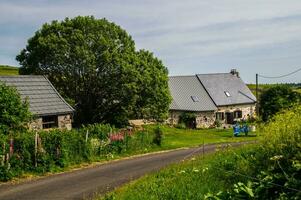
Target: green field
(176, 138)
(8, 70)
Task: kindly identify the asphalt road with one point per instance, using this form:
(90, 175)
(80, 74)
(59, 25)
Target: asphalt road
(84, 183)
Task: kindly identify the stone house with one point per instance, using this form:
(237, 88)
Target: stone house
(50, 110)
(222, 97)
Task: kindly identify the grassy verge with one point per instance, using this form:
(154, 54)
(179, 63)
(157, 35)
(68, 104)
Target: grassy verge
(192, 179)
(270, 169)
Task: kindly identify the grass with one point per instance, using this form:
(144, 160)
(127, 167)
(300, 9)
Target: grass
(172, 138)
(176, 138)
(182, 181)
(269, 169)
(8, 70)
(192, 179)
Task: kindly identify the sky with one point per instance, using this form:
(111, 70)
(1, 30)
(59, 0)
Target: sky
(190, 37)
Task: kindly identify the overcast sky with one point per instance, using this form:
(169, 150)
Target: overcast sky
(190, 37)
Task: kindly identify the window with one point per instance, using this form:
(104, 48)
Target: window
(238, 114)
(49, 122)
(220, 116)
(227, 94)
(195, 99)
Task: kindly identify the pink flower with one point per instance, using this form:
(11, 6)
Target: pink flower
(117, 137)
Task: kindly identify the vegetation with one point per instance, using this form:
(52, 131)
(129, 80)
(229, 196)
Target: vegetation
(94, 65)
(267, 170)
(264, 87)
(14, 113)
(8, 70)
(277, 98)
(188, 119)
(58, 150)
(177, 138)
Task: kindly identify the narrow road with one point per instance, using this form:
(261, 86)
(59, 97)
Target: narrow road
(82, 184)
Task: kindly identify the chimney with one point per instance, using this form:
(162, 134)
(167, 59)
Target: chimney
(234, 72)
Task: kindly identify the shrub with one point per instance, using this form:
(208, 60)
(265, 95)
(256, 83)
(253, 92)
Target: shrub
(14, 114)
(100, 131)
(58, 149)
(188, 118)
(158, 136)
(276, 99)
(181, 125)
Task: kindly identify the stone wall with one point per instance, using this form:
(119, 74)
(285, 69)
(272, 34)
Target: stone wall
(207, 119)
(64, 122)
(248, 110)
(203, 119)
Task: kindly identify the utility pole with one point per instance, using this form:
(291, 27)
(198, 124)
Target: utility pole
(257, 105)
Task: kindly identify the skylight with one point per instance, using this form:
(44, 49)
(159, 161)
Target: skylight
(227, 94)
(195, 99)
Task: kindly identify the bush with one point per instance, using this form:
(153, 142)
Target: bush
(14, 114)
(276, 99)
(188, 118)
(58, 149)
(181, 125)
(158, 136)
(101, 131)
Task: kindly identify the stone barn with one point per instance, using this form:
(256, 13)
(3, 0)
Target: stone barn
(50, 110)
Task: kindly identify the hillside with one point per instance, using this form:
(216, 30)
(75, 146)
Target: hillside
(262, 87)
(8, 70)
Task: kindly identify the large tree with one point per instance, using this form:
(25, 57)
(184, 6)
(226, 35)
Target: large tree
(277, 98)
(94, 65)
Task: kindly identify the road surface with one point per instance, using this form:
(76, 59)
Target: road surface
(84, 183)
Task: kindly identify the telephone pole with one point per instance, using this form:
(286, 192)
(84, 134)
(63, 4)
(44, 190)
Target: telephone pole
(257, 105)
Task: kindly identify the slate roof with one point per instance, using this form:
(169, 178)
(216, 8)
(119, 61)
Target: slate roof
(217, 84)
(183, 89)
(42, 96)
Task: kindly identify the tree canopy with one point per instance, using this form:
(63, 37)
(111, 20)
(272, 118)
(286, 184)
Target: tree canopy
(14, 113)
(277, 98)
(93, 63)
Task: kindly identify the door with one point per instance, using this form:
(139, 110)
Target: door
(229, 118)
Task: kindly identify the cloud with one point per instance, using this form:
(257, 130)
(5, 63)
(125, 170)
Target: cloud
(184, 34)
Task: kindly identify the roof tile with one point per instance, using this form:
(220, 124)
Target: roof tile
(42, 96)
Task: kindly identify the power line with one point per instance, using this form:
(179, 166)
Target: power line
(282, 76)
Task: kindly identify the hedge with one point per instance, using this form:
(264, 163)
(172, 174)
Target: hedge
(58, 149)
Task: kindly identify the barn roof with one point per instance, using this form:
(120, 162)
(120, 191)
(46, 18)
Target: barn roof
(226, 89)
(42, 96)
(188, 94)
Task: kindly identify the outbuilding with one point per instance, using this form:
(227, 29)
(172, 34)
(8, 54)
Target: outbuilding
(49, 108)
